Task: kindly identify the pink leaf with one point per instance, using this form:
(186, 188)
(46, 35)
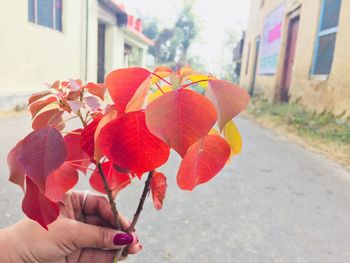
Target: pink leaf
(92, 102)
(74, 86)
(228, 98)
(42, 152)
(203, 161)
(75, 105)
(37, 206)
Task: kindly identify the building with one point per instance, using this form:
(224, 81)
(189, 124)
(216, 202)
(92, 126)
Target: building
(298, 50)
(46, 40)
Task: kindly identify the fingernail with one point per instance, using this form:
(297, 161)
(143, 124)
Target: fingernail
(122, 239)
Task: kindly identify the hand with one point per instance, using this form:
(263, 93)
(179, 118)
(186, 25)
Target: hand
(82, 234)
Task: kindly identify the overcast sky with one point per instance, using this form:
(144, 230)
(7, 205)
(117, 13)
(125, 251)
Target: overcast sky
(215, 17)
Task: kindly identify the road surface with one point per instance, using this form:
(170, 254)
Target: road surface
(276, 202)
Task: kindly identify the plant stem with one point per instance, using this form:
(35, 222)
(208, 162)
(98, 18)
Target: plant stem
(110, 197)
(146, 190)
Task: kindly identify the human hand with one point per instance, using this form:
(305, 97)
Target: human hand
(82, 234)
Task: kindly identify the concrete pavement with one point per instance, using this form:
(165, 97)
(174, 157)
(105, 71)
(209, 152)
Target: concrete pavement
(276, 202)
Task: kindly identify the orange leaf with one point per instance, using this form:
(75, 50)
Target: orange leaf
(98, 90)
(38, 105)
(105, 119)
(202, 162)
(38, 95)
(228, 98)
(180, 118)
(138, 100)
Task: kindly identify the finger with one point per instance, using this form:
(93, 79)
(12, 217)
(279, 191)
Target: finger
(98, 206)
(135, 248)
(93, 255)
(89, 236)
(123, 222)
(97, 221)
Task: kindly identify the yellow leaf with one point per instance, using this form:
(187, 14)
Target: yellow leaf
(158, 93)
(233, 137)
(214, 131)
(203, 84)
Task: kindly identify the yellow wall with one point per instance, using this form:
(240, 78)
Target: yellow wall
(320, 95)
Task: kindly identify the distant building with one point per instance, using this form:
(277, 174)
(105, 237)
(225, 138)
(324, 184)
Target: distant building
(298, 50)
(46, 40)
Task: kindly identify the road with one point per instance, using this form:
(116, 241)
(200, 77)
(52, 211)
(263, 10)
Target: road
(276, 202)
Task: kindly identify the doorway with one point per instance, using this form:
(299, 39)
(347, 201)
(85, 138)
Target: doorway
(255, 66)
(101, 53)
(292, 37)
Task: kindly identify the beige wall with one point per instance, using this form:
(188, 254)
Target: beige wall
(31, 54)
(331, 94)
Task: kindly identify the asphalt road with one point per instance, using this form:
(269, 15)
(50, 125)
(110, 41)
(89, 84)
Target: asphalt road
(276, 202)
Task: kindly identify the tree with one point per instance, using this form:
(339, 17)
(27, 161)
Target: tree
(172, 44)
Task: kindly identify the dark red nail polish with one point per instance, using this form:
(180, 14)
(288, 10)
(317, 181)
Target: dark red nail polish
(122, 239)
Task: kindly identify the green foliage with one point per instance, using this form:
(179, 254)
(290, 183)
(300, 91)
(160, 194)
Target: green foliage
(172, 44)
(324, 127)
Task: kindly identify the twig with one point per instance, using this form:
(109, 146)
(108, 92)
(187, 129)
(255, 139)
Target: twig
(131, 228)
(110, 197)
(146, 190)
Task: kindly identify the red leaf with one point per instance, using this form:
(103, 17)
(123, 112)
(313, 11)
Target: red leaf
(158, 188)
(76, 154)
(98, 90)
(60, 181)
(228, 98)
(37, 206)
(88, 140)
(38, 95)
(42, 152)
(37, 106)
(123, 83)
(127, 142)
(180, 118)
(16, 171)
(116, 180)
(203, 161)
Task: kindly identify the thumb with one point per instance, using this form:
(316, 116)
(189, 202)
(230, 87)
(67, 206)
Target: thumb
(90, 236)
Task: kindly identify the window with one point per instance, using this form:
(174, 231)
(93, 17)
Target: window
(326, 37)
(47, 13)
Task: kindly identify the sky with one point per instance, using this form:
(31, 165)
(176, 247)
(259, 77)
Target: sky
(215, 17)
